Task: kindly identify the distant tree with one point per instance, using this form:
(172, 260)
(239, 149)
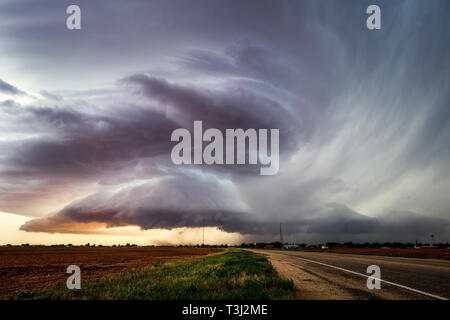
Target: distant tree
(398, 245)
(349, 245)
(277, 244)
(333, 244)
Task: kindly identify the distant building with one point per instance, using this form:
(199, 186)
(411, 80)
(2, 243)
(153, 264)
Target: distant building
(291, 246)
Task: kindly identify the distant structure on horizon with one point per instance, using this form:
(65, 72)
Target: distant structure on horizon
(291, 246)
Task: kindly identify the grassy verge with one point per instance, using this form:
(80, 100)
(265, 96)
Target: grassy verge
(232, 274)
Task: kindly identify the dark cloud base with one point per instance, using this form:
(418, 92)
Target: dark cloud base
(363, 117)
(339, 222)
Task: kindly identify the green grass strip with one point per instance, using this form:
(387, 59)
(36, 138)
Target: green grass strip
(231, 275)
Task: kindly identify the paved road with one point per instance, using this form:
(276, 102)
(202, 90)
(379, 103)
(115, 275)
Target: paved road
(341, 276)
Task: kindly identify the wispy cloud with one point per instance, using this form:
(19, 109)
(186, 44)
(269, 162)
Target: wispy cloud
(363, 117)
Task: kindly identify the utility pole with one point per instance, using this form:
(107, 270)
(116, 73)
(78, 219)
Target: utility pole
(203, 243)
(281, 235)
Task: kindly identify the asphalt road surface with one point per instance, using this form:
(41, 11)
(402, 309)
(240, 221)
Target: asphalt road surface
(333, 276)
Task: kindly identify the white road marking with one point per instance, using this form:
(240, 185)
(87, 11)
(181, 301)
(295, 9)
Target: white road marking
(385, 281)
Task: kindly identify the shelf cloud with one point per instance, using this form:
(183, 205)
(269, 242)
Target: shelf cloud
(363, 115)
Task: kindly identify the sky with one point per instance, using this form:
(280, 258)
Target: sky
(86, 118)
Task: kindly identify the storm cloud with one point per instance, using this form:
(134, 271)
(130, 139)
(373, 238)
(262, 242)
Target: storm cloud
(9, 89)
(363, 116)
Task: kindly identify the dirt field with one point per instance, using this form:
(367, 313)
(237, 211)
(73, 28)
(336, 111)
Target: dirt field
(427, 253)
(32, 268)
